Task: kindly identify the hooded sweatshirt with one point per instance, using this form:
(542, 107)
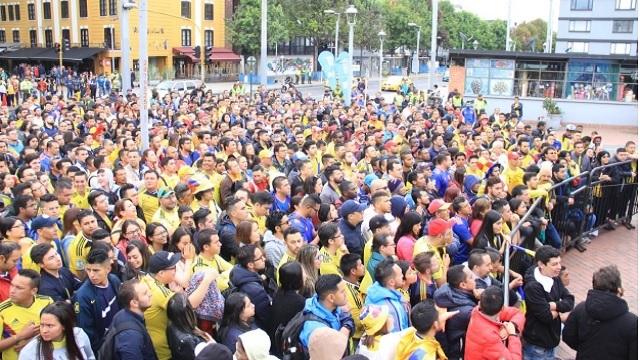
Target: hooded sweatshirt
(415, 347)
(393, 300)
(256, 344)
(455, 299)
(602, 328)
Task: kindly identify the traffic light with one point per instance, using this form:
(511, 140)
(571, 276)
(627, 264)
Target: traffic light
(208, 54)
(67, 44)
(57, 47)
(196, 51)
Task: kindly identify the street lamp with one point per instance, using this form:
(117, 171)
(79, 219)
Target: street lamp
(352, 13)
(125, 57)
(251, 61)
(381, 35)
(475, 44)
(416, 64)
(434, 40)
(337, 14)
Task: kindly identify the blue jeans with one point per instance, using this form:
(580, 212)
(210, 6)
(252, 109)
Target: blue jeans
(553, 237)
(533, 352)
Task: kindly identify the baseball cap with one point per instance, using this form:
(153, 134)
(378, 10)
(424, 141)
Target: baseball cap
(42, 221)
(377, 222)
(438, 226)
(437, 204)
(571, 127)
(349, 207)
(373, 318)
(186, 171)
(165, 192)
(206, 351)
(264, 154)
(181, 188)
(369, 179)
(162, 260)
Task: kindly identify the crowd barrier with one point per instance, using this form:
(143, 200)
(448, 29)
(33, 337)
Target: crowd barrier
(595, 204)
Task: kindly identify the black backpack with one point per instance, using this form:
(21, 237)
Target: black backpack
(287, 336)
(106, 350)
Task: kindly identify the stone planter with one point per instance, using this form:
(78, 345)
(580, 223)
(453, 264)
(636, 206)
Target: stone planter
(554, 121)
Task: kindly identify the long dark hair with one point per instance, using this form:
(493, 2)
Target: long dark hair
(130, 272)
(408, 221)
(65, 315)
(486, 230)
(6, 224)
(233, 307)
(181, 315)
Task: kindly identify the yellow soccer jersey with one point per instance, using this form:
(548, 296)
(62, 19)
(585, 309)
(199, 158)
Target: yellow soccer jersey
(149, 204)
(221, 265)
(77, 254)
(330, 263)
(155, 317)
(423, 246)
(13, 318)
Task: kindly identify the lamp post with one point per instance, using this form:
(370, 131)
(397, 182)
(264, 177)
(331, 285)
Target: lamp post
(251, 61)
(434, 40)
(381, 35)
(475, 44)
(415, 65)
(337, 14)
(125, 57)
(263, 42)
(144, 69)
(352, 13)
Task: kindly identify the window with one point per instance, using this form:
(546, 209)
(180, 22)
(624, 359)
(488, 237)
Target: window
(208, 38)
(578, 47)
(33, 38)
(580, 25)
(186, 37)
(620, 48)
(3, 13)
(3, 36)
(185, 9)
(16, 36)
(48, 38)
(108, 38)
(31, 11)
(622, 26)
(208, 11)
(10, 12)
(17, 11)
(84, 37)
(46, 10)
(83, 8)
(103, 7)
(113, 7)
(64, 9)
(66, 34)
(626, 4)
(582, 5)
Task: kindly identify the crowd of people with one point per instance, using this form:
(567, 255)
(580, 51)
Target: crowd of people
(278, 226)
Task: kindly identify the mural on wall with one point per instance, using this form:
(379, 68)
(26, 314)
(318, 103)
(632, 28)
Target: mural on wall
(282, 65)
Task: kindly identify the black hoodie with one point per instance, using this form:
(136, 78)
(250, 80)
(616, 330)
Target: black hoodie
(602, 328)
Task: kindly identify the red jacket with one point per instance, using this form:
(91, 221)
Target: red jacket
(483, 340)
(5, 283)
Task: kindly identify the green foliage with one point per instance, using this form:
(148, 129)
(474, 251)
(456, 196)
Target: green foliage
(244, 28)
(527, 31)
(551, 106)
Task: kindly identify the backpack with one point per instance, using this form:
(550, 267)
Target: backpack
(287, 337)
(106, 350)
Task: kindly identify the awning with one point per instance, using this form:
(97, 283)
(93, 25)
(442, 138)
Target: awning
(224, 54)
(72, 55)
(187, 52)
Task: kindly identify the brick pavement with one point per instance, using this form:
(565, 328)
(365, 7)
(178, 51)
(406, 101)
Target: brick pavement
(619, 247)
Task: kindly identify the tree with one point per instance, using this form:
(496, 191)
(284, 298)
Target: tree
(527, 32)
(491, 35)
(244, 28)
(397, 15)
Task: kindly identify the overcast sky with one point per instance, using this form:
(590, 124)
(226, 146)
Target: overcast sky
(521, 10)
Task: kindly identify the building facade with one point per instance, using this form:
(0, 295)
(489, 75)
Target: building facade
(175, 27)
(598, 27)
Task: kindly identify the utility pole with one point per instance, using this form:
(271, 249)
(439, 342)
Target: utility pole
(434, 41)
(549, 28)
(507, 45)
(263, 42)
(143, 62)
(125, 52)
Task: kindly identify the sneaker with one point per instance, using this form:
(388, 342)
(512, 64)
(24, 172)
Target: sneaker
(629, 226)
(594, 233)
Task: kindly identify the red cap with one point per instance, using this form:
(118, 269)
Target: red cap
(436, 205)
(438, 226)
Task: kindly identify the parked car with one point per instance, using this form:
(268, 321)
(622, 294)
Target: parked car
(180, 86)
(392, 83)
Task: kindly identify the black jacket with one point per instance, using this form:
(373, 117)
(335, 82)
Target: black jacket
(286, 304)
(455, 299)
(251, 284)
(541, 329)
(602, 328)
(182, 344)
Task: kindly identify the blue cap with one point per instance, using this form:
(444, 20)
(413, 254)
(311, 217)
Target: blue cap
(42, 221)
(350, 207)
(369, 179)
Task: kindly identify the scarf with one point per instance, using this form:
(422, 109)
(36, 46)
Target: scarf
(414, 347)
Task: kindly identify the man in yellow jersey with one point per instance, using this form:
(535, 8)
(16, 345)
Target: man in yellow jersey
(81, 245)
(149, 196)
(167, 213)
(95, 302)
(513, 172)
(293, 241)
(162, 271)
(20, 314)
(333, 247)
(208, 246)
(353, 269)
(99, 203)
(81, 190)
(261, 202)
(47, 232)
(439, 236)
